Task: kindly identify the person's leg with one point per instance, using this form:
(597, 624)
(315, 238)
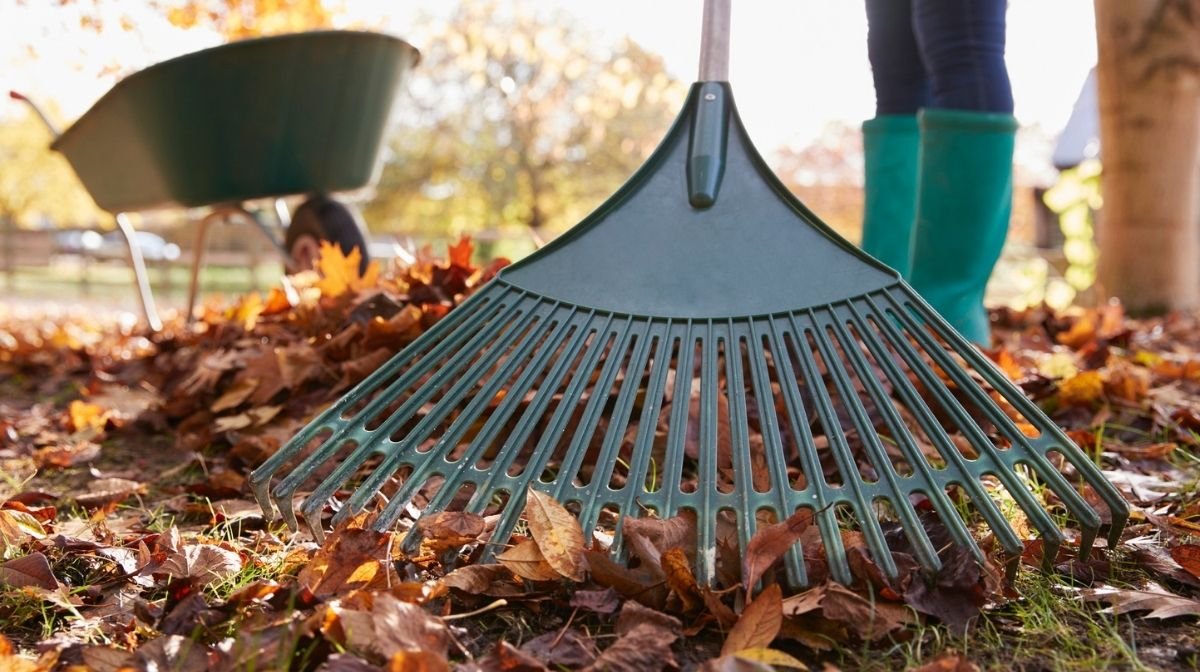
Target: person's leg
(890, 140)
(965, 188)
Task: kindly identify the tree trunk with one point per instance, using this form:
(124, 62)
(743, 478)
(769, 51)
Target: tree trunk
(1149, 86)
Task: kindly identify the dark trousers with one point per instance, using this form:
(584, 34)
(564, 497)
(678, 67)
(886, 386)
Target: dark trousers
(946, 54)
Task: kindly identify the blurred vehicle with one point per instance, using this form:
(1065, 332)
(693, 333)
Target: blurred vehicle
(154, 247)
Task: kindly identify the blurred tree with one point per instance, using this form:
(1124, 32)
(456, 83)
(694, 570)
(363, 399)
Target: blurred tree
(827, 175)
(518, 117)
(1149, 86)
(240, 19)
(36, 184)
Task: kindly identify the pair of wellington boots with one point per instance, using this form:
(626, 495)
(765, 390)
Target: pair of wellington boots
(938, 199)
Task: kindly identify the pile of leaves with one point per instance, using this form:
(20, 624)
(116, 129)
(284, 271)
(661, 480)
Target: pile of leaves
(128, 537)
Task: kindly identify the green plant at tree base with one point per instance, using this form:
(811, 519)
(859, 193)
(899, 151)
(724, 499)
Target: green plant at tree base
(1074, 198)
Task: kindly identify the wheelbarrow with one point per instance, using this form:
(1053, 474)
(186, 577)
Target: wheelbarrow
(265, 118)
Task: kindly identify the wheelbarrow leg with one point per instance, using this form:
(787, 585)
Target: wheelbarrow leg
(198, 259)
(149, 311)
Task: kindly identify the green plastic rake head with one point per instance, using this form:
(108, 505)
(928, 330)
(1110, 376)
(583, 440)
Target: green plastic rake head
(701, 342)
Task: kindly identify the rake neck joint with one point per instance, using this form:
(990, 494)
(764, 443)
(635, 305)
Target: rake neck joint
(706, 147)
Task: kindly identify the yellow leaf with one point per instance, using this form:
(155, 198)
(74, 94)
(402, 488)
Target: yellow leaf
(1082, 389)
(86, 416)
(557, 533)
(772, 657)
(339, 272)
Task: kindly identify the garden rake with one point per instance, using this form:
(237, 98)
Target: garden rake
(701, 342)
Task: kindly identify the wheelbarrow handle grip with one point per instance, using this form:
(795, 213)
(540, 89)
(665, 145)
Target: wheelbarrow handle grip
(714, 42)
(17, 95)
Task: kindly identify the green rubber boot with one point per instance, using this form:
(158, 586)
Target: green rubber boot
(890, 146)
(963, 205)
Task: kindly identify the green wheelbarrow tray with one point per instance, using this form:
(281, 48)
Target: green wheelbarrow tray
(273, 116)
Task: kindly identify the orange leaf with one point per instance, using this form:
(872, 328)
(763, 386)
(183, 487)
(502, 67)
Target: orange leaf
(1188, 557)
(1082, 389)
(759, 623)
(526, 561)
(460, 253)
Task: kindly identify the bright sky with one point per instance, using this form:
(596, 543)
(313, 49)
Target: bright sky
(796, 65)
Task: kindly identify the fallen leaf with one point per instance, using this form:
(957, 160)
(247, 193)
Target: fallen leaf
(351, 558)
(1159, 604)
(1188, 557)
(86, 417)
(29, 570)
(340, 272)
(634, 615)
(645, 647)
(596, 601)
(948, 662)
(495, 580)
(680, 578)
(446, 530)
(562, 649)
(235, 395)
(526, 561)
(772, 657)
(770, 543)
(759, 624)
(202, 564)
(417, 661)
(557, 533)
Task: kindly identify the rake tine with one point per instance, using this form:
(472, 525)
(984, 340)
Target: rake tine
(643, 442)
(983, 502)
(398, 452)
(598, 483)
(739, 434)
(773, 444)
(706, 556)
(926, 553)
(1052, 537)
(1051, 434)
(549, 438)
(841, 450)
(260, 478)
(820, 490)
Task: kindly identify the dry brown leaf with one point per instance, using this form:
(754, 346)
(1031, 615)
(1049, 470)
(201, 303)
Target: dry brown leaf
(644, 648)
(29, 570)
(417, 661)
(644, 584)
(526, 561)
(493, 580)
(1188, 557)
(759, 624)
(351, 558)
(948, 662)
(1159, 604)
(557, 533)
(770, 543)
(234, 395)
(202, 564)
(445, 530)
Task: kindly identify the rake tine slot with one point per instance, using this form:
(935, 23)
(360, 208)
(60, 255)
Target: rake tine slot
(454, 471)
(549, 439)
(681, 401)
(1051, 434)
(510, 447)
(643, 443)
(399, 451)
(1052, 537)
(618, 420)
(820, 490)
(911, 523)
(330, 418)
(706, 556)
(841, 449)
(577, 450)
(773, 444)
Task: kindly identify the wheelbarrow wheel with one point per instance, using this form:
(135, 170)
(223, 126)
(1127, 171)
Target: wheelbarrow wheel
(322, 218)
